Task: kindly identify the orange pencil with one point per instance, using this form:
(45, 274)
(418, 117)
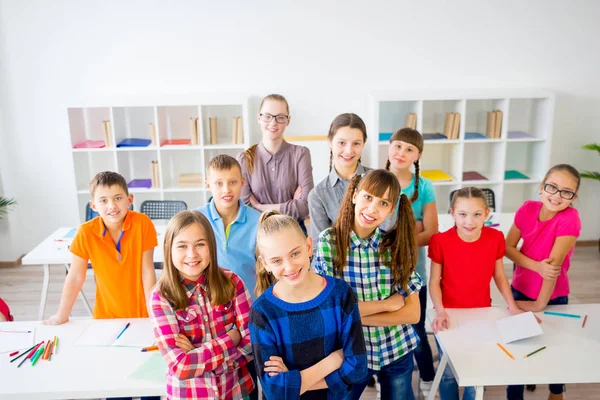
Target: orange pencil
(45, 355)
(151, 348)
(51, 349)
(584, 319)
(506, 351)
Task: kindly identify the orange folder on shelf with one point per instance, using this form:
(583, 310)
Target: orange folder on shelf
(176, 142)
(436, 175)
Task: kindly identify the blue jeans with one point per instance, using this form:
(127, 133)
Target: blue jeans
(448, 384)
(394, 380)
(423, 355)
(515, 392)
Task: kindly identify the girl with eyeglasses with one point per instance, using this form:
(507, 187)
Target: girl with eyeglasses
(549, 229)
(278, 174)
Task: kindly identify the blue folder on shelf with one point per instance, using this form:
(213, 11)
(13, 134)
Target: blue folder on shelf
(385, 136)
(434, 136)
(133, 142)
(474, 135)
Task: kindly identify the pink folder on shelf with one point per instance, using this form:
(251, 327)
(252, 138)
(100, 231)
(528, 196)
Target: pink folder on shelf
(90, 144)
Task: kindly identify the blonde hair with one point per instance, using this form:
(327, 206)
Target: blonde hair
(400, 240)
(220, 288)
(249, 155)
(410, 136)
(270, 222)
(469, 192)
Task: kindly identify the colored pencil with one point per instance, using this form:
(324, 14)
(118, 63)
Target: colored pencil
(559, 314)
(14, 353)
(55, 345)
(37, 355)
(584, 321)
(533, 352)
(23, 353)
(151, 348)
(45, 355)
(124, 329)
(51, 349)
(506, 351)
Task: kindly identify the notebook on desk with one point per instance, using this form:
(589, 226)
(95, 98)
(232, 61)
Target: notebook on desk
(112, 333)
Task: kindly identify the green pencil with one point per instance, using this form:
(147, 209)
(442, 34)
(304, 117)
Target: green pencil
(533, 352)
(37, 355)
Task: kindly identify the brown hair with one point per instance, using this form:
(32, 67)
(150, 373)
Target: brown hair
(411, 136)
(270, 222)
(350, 120)
(220, 288)
(222, 162)
(469, 192)
(400, 241)
(249, 155)
(108, 178)
(566, 168)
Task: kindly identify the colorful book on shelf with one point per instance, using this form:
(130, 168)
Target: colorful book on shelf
(176, 142)
(90, 144)
(474, 136)
(434, 136)
(473, 176)
(385, 136)
(519, 135)
(514, 174)
(134, 142)
(436, 175)
(140, 183)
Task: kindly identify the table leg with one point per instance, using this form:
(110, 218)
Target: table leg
(479, 392)
(438, 377)
(44, 292)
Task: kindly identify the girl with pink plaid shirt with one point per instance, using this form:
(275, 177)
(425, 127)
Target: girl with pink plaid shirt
(200, 314)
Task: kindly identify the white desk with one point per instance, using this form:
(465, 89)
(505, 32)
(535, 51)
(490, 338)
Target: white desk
(55, 250)
(571, 355)
(74, 371)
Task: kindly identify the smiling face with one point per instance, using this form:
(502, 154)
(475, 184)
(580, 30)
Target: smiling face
(190, 252)
(111, 203)
(225, 187)
(286, 255)
(370, 211)
(469, 215)
(347, 146)
(556, 182)
(273, 130)
(402, 154)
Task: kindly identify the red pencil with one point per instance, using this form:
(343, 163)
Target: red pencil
(34, 350)
(584, 319)
(14, 353)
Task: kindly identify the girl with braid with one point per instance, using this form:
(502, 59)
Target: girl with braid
(278, 174)
(380, 268)
(347, 136)
(405, 150)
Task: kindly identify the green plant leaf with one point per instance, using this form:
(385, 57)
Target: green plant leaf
(591, 175)
(592, 146)
(5, 202)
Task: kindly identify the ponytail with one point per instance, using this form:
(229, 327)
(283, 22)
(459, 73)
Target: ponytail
(343, 225)
(415, 195)
(331, 159)
(249, 155)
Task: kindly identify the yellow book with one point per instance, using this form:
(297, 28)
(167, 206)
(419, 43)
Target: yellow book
(436, 175)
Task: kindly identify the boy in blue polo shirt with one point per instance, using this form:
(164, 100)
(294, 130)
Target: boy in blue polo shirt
(234, 223)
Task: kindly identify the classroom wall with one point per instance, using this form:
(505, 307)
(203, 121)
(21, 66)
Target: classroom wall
(326, 58)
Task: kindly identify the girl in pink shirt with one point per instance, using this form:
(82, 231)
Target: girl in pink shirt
(549, 229)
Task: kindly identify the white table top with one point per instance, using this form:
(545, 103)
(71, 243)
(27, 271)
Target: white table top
(74, 371)
(571, 355)
(55, 249)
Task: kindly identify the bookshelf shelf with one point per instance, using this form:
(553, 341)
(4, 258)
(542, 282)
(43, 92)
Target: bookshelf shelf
(519, 143)
(157, 124)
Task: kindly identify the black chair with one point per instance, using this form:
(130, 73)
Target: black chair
(162, 209)
(489, 193)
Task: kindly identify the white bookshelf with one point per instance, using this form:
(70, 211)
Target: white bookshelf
(171, 122)
(531, 112)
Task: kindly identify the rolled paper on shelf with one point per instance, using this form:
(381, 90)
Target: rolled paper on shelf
(193, 132)
(155, 176)
(212, 122)
(153, 134)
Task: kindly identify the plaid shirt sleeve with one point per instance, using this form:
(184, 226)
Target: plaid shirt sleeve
(354, 367)
(324, 255)
(206, 357)
(414, 285)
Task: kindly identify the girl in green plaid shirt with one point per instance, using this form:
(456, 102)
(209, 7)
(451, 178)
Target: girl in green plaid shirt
(380, 268)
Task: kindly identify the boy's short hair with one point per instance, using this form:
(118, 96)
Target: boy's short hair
(108, 178)
(223, 162)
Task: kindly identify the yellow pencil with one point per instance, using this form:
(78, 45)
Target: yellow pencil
(506, 351)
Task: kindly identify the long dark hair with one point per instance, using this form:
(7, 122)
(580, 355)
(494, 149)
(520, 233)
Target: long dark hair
(347, 119)
(411, 136)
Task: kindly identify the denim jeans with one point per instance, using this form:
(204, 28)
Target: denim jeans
(448, 384)
(394, 380)
(515, 392)
(423, 355)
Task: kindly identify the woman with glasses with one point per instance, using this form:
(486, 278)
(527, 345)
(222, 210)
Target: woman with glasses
(278, 174)
(549, 229)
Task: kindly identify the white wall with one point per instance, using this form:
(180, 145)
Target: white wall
(325, 58)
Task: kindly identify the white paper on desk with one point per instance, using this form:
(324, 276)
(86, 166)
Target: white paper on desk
(478, 331)
(11, 341)
(517, 327)
(138, 334)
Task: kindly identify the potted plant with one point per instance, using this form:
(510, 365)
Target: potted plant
(590, 174)
(5, 202)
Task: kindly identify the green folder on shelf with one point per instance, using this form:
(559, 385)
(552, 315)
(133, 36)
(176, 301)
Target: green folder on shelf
(514, 174)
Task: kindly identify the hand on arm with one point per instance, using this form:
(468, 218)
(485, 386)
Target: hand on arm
(441, 320)
(297, 207)
(73, 284)
(545, 267)
(410, 313)
(392, 303)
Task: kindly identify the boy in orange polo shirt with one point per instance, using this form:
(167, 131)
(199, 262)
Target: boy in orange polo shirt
(120, 245)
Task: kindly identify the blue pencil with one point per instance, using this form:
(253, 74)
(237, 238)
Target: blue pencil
(126, 326)
(559, 314)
